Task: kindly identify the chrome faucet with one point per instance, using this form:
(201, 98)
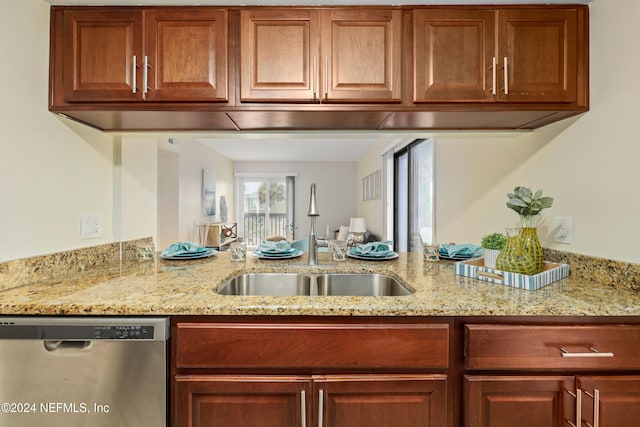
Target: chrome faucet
(314, 241)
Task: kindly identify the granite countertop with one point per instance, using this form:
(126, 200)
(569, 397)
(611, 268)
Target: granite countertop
(160, 287)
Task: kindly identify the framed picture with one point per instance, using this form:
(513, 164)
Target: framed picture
(208, 193)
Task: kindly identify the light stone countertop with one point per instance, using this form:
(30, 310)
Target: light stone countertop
(160, 287)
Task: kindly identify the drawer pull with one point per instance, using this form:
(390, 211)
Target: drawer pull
(592, 353)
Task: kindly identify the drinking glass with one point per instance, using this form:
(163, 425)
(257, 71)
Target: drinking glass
(238, 251)
(338, 250)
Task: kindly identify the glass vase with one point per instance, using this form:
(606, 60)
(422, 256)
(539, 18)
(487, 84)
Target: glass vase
(513, 257)
(530, 241)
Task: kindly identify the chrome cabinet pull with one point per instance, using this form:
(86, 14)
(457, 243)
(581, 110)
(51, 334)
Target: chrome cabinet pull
(596, 408)
(315, 77)
(134, 72)
(145, 74)
(303, 408)
(320, 407)
(506, 77)
(326, 77)
(592, 353)
(494, 65)
(578, 396)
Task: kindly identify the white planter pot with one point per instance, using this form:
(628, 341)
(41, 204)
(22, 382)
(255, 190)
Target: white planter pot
(490, 256)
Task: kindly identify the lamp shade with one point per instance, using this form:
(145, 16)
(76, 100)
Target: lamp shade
(357, 225)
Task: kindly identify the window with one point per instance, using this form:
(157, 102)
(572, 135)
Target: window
(266, 207)
(410, 216)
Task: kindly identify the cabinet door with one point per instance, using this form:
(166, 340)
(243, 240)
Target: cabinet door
(537, 53)
(381, 401)
(279, 54)
(187, 54)
(241, 401)
(100, 47)
(523, 401)
(361, 55)
(617, 401)
(453, 55)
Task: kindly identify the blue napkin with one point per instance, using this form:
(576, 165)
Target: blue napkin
(267, 246)
(182, 248)
(373, 249)
(462, 250)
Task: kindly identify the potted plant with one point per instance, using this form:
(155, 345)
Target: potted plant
(492, 244)
(528, 206)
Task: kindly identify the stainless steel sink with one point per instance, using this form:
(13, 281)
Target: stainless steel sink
(360, 284)
(267, 284)
(330, 284)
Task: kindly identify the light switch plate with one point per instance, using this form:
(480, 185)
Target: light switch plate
(90, 226)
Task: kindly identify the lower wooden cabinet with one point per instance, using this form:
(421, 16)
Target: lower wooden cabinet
(591, 388)
(320, 373)
(523, 401)
(328, 401)
(508, 400)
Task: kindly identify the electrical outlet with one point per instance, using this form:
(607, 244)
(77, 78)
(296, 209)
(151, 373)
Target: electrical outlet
(90, 226)
(564, 230)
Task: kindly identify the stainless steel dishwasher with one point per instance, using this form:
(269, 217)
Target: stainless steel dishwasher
(80, 371)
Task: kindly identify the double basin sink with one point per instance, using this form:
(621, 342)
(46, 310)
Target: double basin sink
(303, 284)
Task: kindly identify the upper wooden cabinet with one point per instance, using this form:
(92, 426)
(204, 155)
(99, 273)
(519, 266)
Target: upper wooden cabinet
(521, 55)
(180, 56)
(321, 55)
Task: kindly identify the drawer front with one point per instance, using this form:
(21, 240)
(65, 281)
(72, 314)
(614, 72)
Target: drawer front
(513, 347)
(312, 346)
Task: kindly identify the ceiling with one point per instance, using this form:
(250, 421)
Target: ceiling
(299, 146)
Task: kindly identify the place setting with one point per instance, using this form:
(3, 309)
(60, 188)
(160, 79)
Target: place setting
(186, 251)
(276, 250)
(373, 251)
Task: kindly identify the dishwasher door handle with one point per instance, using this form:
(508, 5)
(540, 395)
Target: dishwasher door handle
(66, 345)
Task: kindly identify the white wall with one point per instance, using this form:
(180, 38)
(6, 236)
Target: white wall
(52, 169)
(336, 191)
(588, 164)
(193, 158)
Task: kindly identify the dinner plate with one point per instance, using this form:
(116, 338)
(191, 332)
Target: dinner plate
(187, 256)
(272, 256)
(393, 255)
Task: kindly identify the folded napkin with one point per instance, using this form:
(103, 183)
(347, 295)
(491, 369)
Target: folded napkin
(182, 248)
(463, 250)
(267, 246)
(373, 249)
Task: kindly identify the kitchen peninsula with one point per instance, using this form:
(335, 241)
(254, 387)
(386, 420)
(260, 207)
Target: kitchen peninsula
(162, 287)
(451, 344)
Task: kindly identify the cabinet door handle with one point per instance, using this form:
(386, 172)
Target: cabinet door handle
(506, 77)
(596, 407)
(134, 73)
(494, 66)
(303, 408)
(315, 77)
(592, 353)
(320, 407)
(326, 77)
(578, 396)
(145, 74)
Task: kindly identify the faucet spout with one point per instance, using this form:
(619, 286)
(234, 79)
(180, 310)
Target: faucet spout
(314, 241)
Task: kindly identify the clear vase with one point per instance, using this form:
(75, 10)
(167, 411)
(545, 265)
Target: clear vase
(530, 242)
(513, 257)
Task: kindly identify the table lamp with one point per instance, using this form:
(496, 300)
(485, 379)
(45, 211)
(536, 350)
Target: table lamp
(357, 228)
